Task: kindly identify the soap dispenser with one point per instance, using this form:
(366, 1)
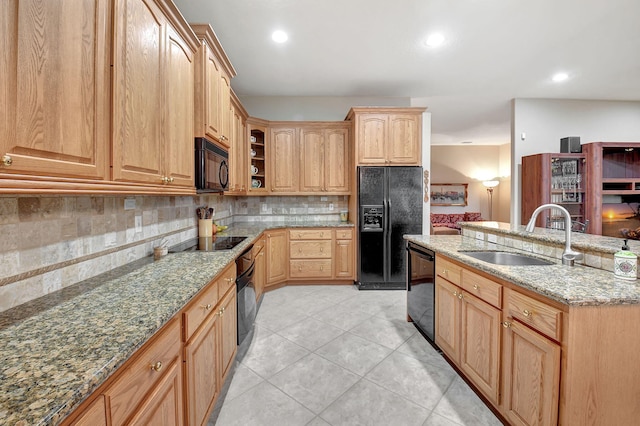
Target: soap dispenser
(625, 263)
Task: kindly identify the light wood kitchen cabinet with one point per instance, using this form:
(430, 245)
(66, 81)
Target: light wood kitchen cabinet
(238, 174)
(324, 159)
(212, 88)
(283, 160)
(277, 252)
(94, 415)
(152, 73)
(310, 254)
(387, 136)
(149, 380)
(260, 266)
(228, 331)
(258, 131)
(54, 90)
(344, 254)
(468, 326)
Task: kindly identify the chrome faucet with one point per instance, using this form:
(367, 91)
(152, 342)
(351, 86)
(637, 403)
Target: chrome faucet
(568, 256)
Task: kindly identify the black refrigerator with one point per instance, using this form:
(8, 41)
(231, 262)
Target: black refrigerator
(390, 206)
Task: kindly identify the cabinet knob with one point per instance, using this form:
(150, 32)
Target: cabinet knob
(506, 324)
(321, 249)
(476, 287)
(207, 306)
(460, 296)
(321, 268)
(299, 250)
(455, 293)
(527, 313)
(221, 312)
(445, 272)
(7, 160)
(157, 366)
(321, 234)
(299, 268)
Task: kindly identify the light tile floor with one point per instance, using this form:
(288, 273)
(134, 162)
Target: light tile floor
(333, 355)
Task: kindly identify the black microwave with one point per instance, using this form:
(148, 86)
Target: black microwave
(212, 167)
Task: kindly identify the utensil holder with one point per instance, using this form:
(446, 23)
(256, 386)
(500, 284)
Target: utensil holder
(205, 227)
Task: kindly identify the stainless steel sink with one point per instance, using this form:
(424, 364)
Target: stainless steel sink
(505, 258)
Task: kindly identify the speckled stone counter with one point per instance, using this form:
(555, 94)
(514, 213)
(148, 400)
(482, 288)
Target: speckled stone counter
(570, 285)
(56, 350)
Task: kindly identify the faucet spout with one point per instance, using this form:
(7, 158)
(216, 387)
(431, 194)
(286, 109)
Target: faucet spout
(569, 255)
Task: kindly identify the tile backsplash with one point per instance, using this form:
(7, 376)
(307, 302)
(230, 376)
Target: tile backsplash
(50, 242)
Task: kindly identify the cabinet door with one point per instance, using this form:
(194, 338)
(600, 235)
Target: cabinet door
(448, 318)
(344, 259)
(403, 147)
(277, 256)
(372, 139)
(336, 160)
(202, 372)
(54, 87)
(179, 146)
(138, 90)
(164, 406)
(237, 155)
(480, 346)
(228, 331)
(94, 415)
(212, 105)
(531, 376)
(312, 164)
(284, 160)
(225, 110)
(260, 273)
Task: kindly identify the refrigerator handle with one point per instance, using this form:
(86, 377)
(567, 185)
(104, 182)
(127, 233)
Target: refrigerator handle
(387, 205)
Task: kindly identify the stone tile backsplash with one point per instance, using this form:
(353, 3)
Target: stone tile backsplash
(50, 242)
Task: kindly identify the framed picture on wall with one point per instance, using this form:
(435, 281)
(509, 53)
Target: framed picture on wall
(449, 194)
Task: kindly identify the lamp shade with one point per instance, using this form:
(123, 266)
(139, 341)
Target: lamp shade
(490, 183)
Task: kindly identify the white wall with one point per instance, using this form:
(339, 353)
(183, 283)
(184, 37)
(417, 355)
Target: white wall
(545, 121)
(472, 165)
(311, 108)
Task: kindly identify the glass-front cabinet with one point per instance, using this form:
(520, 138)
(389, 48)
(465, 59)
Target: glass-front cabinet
(258, 142)
(557, 178)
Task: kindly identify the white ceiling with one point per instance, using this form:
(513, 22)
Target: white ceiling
(496, 50)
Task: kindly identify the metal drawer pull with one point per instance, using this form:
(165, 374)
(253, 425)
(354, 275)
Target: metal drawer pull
(527, 313)
(157, 366)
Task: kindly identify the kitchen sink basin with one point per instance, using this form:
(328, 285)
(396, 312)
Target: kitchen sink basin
(505, 258)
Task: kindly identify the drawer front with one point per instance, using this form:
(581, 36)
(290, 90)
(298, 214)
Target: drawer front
(259, 244)
(483, 288)
(448, 270)
(344, 234)
(310, 234)
(144, 373)
(226, 280)
(310, 249)
(538, 315)
(200, 309)
(310, 269)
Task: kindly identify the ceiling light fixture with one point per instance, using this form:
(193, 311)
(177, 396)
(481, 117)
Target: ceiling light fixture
(466, 142)
(559, 77)
(279, 36)
(434, 40)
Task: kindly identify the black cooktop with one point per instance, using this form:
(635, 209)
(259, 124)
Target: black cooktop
(207, 244)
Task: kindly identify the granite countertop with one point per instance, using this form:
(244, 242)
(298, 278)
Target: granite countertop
(570, 285)
(58, 349)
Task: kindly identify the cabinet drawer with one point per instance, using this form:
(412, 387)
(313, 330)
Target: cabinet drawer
(226, 280)
(259, 244)
(310, 234)
(344, 234)
(310, 249)
(448, 270)
(144, 373)
(200, 308)
(538, 315)
(483, 288)
(310, 269)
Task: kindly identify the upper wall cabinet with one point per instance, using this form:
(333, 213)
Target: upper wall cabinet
(153, 74)
(283, 159)
(387, 136)
(54, 89)
(213, 88)
(324, 159)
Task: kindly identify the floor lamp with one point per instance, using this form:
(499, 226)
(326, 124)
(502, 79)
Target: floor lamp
(490, 184)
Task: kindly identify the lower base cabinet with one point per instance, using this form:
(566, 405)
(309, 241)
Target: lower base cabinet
(164, 406)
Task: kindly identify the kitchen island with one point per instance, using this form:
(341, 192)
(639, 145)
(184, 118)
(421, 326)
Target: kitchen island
(60, 348)
(545, 344)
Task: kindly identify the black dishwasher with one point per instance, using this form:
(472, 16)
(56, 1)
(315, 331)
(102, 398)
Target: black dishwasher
(246, 293)
(421, 289)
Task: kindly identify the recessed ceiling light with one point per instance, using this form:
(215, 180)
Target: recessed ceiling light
(561, 76)
(434, 40)
(279, 36)
(466, 142)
